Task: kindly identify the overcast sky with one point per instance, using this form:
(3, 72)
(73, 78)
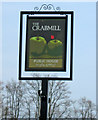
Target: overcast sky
(84, 73)
(49, 0)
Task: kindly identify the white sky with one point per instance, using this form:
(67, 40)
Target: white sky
(82, 84)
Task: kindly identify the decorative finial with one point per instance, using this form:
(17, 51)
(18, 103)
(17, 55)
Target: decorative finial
(47, 7)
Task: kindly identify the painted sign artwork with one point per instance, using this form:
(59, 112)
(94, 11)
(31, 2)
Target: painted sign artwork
(46, 39)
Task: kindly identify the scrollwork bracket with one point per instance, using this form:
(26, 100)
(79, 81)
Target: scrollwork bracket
(46, 7)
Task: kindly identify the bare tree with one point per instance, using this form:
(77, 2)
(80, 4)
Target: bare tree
(83, 108)
(0, 99)
(87, 108)
(33, 98)
(21, 100)
(59, 99)
(13, 99)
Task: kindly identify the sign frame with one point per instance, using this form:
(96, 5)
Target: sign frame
(71, 48)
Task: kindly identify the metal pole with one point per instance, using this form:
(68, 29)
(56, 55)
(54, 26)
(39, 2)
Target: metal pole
(44, 100)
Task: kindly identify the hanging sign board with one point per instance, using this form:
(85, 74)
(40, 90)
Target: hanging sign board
(46, 42)
(46, 45)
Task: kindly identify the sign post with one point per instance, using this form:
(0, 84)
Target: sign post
(46, 48)
(44, 100)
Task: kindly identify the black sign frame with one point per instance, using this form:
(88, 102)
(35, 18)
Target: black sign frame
(71, 48)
